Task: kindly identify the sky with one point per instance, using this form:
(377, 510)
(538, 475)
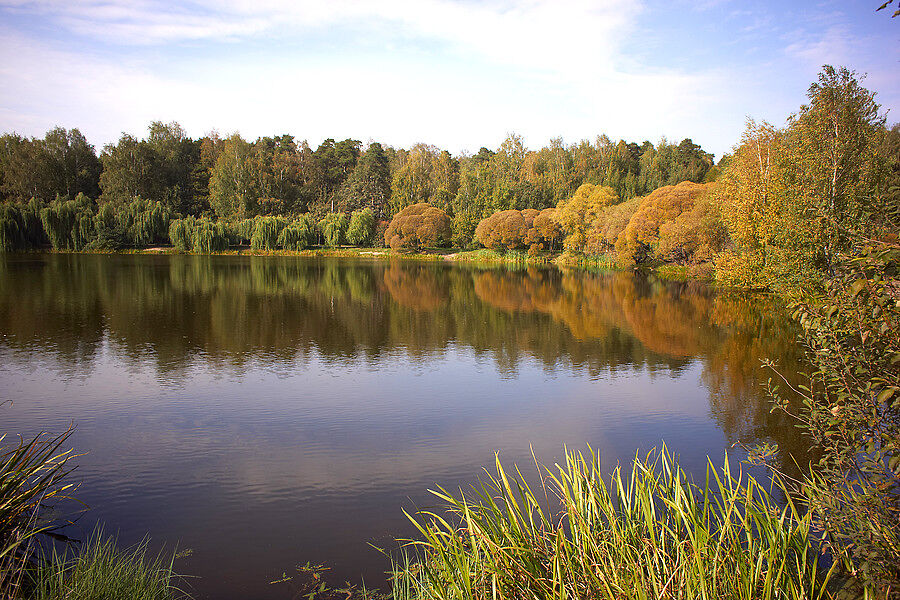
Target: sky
(459, 74)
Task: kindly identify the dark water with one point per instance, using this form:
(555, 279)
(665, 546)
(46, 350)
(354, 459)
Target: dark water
(265, 412)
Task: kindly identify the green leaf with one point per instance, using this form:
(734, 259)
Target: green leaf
(885, 394)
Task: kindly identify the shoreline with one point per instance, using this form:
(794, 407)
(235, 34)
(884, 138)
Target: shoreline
(704, 272)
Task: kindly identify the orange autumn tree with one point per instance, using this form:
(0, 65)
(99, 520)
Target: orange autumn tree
(514, 229)
(506, 229)
(637, 243)
(609, 225)
(696, 235)
(418, 226)
(545, 233)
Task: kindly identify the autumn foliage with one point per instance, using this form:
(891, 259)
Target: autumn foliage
(677, 223)
(640, 238)
(519, 229)
(418, 226)
(578, 214)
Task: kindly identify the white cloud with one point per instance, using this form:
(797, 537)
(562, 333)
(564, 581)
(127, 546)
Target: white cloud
(457, 74)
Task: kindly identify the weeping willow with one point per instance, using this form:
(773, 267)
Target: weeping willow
(243, 230)
(265, 233)
(12, 236)
(181, 234)
(61, 222)
(298, 234)
(209, 237)
(334, 228)
(21, 227)
(146, 222)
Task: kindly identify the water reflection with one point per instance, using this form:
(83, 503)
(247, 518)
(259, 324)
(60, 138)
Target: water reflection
(261, 410)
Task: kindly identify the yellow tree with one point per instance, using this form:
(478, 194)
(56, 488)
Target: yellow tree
(755, 206)
(577, 215)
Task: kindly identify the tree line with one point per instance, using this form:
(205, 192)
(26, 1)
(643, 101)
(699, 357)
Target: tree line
(215, 179)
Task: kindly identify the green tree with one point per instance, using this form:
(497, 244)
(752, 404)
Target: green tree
(834, 167)
(233, 189)
(63, 164)
(369, 186)
(336, 161)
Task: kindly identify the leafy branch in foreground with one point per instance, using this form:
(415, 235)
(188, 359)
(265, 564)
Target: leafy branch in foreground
(852, 412)
(651, 534)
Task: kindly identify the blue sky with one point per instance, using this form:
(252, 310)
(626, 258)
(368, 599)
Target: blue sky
(458, 74)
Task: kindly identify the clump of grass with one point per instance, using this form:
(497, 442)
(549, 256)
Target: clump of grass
(692, 271)
(600, 262)
(32, 474)
(508, 257)
(648, 535)
(102, 571)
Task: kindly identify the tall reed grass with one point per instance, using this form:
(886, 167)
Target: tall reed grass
(649, 534)
(32, 474)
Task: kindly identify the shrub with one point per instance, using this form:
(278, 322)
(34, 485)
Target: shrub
(378, 238)
(851, 329)
(417, 226)
(108, 228)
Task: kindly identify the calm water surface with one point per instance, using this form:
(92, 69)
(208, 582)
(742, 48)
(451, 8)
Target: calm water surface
(265, 412)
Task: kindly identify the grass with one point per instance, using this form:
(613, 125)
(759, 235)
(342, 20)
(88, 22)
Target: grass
(602, 262)
(653, 534)
(488, 256)
(689, 272)
(32, 475)
(102, 571)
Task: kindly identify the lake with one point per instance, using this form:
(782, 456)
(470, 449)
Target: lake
(268, 411)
